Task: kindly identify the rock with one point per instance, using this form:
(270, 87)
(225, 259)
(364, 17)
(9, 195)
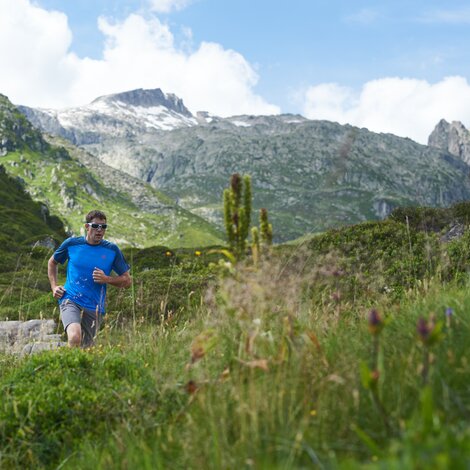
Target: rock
(34, 348)
(35, 328)
(29, 337)
(453, 137)
(456, 231)
(382, 208)
(47, 242)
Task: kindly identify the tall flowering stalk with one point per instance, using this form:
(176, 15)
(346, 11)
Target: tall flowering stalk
(255, 246)
(371, 374)
(266, 230)
(429, 332)
(237, 213)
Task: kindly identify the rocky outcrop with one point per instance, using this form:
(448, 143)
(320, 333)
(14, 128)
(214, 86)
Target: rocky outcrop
(452, 137)
(455, 232)
(29, 337)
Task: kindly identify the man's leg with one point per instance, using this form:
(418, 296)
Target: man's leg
(90, 326)
(71, 315)
(74, 334)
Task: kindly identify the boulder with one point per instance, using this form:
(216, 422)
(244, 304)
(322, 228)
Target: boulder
(29, 337)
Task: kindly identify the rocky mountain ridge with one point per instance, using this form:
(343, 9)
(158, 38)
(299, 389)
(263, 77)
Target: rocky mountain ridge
(311, 175)
(452, 137)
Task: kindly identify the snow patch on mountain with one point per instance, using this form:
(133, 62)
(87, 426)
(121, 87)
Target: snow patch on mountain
(240, 123)
(119, 114)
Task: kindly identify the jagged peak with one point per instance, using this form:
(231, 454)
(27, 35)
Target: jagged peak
(452, 137)
(147, 98)
(442, 130)
(458, 125)
(442, 124)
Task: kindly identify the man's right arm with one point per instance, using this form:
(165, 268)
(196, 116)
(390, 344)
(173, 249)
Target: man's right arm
(57, 291)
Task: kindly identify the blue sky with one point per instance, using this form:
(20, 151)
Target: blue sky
(392, 66)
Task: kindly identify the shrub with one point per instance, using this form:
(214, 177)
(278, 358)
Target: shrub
(52, 401)
(377, 257)
(426, 219)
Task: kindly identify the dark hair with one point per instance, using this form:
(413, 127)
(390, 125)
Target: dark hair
(95, 215)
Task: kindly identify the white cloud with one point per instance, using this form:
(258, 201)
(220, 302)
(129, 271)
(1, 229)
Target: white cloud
(33, 50)
(365, 16)
(401, 106)
(39, 70)
(165, 6)
(455, 16)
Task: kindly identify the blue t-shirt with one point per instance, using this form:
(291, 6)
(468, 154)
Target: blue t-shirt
(83, 258)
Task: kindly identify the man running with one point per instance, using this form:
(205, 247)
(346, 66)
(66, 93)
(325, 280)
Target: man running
(90, 261)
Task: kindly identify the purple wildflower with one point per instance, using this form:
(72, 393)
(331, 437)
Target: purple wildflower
(375, 322)
(423, 329)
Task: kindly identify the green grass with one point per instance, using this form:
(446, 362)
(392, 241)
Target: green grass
(202, 365)
(277, 386)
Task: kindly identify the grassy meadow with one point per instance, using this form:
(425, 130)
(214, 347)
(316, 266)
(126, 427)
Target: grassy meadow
(349, 350)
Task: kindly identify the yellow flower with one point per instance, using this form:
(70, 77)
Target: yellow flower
(197, 253)
(168, 253)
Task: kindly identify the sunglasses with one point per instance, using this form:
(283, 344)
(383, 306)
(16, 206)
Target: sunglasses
(95, 226)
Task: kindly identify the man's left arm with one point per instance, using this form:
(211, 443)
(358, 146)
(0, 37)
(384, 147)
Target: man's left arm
(122, 281)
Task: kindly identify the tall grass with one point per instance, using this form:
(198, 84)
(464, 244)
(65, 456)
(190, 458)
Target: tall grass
(274, 366)
(260, 379)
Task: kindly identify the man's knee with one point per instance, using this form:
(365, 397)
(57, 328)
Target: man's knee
(74, 334)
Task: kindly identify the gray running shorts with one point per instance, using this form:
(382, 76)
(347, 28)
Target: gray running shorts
(89, 320)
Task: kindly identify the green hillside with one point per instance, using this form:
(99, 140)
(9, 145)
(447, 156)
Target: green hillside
(23, 220)
(55, 175)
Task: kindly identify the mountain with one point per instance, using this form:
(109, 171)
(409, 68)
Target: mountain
(121, 115)
(311, 175)
(71, 182)
(452, 137)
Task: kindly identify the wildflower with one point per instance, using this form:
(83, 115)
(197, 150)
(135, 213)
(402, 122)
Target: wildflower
(449, 315)
(429, 332)
(168, 253)
(374, 375)
(235, 183)
(423, 328)
(191, 387)
(197, 253)
(375, 322)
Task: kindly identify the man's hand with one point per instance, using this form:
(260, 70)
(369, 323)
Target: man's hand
(99, 276)
(58, 292)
